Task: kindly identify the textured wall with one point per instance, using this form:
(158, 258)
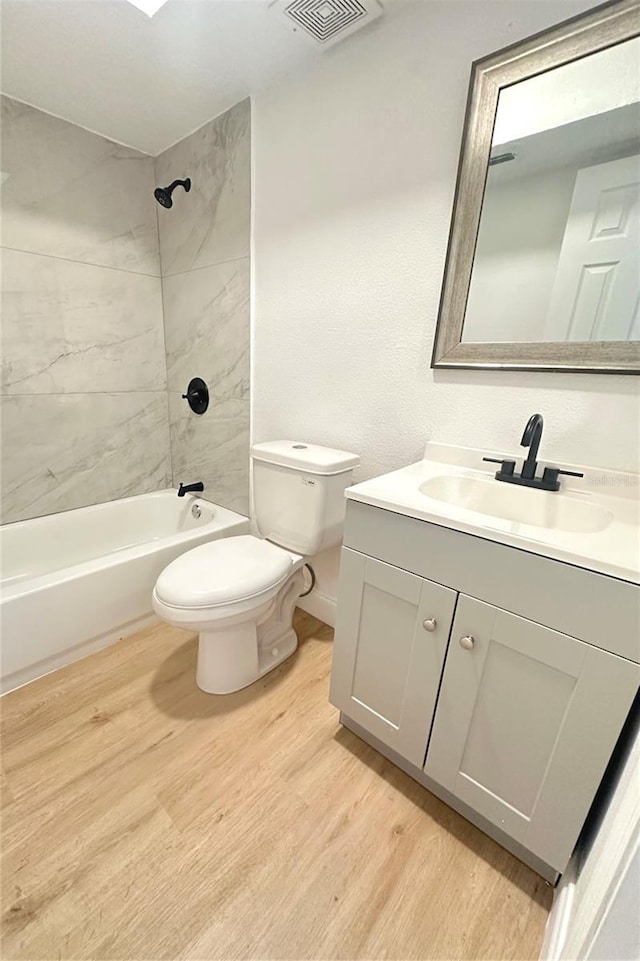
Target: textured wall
(84, 412)
(354, 174)
(204, 250)
(599, 918)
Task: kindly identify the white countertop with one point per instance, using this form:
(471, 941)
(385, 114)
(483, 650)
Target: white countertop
(613, 550)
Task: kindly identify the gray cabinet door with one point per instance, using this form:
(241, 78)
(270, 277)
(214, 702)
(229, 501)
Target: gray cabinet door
(527, 719)
(391, 638)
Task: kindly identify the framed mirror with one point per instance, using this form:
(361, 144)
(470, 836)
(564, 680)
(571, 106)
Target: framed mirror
(543, 263)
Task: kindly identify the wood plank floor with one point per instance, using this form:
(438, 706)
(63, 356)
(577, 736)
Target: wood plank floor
(144, 819)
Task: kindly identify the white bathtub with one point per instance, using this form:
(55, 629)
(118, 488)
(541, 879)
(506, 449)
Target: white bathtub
(74, 582)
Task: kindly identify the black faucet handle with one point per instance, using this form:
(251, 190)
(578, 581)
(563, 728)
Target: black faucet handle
(550, 476)
(507, 468)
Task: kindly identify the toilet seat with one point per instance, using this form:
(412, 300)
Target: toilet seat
(222, 572)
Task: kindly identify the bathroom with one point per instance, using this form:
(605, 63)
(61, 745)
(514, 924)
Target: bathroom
(301, 277)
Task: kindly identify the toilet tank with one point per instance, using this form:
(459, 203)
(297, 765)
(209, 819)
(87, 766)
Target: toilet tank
(298, 493)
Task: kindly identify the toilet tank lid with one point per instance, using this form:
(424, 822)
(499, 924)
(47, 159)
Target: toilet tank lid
(310, 458)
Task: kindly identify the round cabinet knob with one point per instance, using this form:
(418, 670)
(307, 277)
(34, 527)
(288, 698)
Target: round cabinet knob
(430, 624)
(467, 642)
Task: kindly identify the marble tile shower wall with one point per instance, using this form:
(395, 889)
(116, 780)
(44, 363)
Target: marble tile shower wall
(94, 333)
(204, 253)
(84, 406)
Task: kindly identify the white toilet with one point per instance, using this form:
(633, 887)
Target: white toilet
(240, 592)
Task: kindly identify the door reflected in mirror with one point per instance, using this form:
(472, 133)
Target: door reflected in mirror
(557, 255)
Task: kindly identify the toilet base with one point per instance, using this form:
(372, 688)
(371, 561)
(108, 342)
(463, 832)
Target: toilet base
(229, 662)
(234, 656)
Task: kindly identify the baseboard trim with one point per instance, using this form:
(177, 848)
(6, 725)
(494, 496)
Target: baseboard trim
(555, 933)
(319, 605)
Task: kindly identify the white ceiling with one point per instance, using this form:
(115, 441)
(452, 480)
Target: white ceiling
(145, 82)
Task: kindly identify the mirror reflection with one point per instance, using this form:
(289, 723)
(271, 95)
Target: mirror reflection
(557, 250)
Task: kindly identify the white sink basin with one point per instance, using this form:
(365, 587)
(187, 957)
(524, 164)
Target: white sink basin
(592, 521)
(522, 505)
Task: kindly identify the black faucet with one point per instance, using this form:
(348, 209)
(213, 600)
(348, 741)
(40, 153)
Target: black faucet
(531, 438)
(198, 487)
(527, 477)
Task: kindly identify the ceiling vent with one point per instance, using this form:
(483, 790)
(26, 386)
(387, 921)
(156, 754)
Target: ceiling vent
(327, 21)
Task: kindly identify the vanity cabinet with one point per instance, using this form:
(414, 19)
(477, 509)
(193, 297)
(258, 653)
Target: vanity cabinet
(509, 719)
(527, 720)
(394, 629)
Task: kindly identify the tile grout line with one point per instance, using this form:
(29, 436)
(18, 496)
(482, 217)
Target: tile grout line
(219, 263)
(164, 336)
(82, 263)
(124, 270)
(81, 393)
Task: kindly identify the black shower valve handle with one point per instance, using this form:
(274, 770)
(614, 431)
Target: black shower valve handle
(197, 395)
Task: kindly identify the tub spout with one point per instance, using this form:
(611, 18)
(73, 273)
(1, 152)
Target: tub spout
(196, 488)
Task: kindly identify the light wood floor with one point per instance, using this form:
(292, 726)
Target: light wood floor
(144, 819)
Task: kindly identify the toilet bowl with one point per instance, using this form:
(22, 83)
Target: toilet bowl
(240, 592)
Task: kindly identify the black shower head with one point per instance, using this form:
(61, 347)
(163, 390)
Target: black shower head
(163, 194)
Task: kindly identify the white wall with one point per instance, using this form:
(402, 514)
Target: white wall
(595, 916)
(354, 172)
(619, 935)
